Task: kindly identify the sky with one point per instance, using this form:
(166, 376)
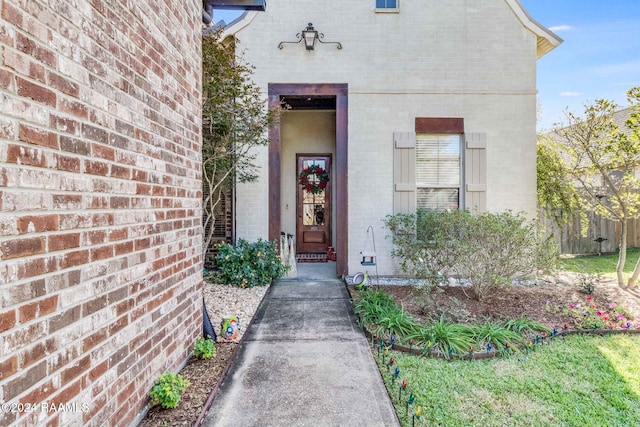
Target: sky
(599, 58)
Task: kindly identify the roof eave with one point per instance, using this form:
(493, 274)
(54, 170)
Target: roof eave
(546, 39)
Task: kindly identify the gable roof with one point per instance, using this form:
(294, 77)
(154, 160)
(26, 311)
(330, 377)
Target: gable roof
(547, 40)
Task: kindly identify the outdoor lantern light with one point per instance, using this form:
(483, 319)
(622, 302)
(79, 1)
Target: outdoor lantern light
(309, 35)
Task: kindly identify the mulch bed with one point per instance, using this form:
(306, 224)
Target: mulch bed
(204, 376)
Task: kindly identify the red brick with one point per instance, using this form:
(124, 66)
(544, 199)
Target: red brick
(7, 320)
(8, 367)
(94, 133)
(38, 308)
(37, 224)
(39, 394)
(36, 92)
(101, 253)
(75, 108)
(37, 352)
(124, 248)
(73, 259)
(59, 242)
(99, 151)
(67, 395)
(96, 168)
(68, 163)
(77, 370)
(93, 305)
(35, 267)
(30, 47)
(143, 189)
(94, 339)
(22, 247)
(21, 383)
(11, 15)
(64, 124)
(118, 356)
(98, 371)
(74, 146)
(65, 318)
(118, 325)
(36, 136)
(122, 172)
(62, 84)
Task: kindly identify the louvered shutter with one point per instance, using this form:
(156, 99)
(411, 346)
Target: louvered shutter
(476, 172)
(404, 172)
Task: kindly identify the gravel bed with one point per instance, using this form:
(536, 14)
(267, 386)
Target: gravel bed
(225, 300)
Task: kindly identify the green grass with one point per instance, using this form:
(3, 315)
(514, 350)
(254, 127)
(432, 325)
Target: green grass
(579, 381)
(605, 264)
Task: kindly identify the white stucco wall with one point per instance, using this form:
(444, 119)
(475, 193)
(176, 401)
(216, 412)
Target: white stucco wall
(473, 60)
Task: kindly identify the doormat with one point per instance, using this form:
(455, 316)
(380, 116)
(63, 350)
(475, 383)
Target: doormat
(311, 257)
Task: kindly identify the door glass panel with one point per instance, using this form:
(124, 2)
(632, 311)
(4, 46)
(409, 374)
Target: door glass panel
(313, 205)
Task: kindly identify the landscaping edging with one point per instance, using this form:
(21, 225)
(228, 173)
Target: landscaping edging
(205, 409)
(475, 355)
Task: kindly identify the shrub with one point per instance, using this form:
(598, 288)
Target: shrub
(249, 264)
(489, 250)
(204, 348)
(168, 389)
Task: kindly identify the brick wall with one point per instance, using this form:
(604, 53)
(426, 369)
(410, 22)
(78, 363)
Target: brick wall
(100, 204)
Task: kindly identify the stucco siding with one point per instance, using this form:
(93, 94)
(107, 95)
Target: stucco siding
(469, 60)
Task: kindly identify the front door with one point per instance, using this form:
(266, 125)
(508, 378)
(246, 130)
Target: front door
(313, 224)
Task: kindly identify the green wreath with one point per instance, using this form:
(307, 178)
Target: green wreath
(317, 185)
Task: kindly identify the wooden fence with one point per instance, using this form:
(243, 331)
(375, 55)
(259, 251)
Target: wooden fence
(571, 241)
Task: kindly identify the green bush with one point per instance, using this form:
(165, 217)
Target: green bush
(249, 264)
(168, 389)
(489, 250)
(204, 348)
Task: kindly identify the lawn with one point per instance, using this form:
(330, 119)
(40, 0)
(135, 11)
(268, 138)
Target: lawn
(605, 264)
(580, 380)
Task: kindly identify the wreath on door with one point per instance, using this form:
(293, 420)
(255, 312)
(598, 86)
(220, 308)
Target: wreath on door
(314, 186)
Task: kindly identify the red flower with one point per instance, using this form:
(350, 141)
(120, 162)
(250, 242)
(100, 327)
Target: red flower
(323, 184)
(319, 170)
(309, 187)
(589, 298)
(306, 170)
(303, 180)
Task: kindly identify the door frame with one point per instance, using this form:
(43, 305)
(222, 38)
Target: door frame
(340, 163)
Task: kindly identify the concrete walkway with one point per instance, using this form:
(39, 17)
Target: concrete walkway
(304, 362)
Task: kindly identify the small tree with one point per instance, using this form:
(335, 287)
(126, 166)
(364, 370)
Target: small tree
(602, 158)
(234, 122)
(557, 196)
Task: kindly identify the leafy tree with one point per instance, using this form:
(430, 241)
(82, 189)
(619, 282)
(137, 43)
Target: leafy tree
(235, 121)
(557, 196)
(602, 158)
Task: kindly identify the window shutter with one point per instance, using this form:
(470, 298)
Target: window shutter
(404, 172)
(476, 172)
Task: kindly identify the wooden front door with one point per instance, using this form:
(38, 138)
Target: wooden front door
(313, 223)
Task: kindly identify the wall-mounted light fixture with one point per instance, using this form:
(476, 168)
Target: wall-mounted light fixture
(309, 35)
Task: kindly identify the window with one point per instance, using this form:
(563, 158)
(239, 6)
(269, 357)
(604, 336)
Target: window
(438, 171)
(387, 4)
